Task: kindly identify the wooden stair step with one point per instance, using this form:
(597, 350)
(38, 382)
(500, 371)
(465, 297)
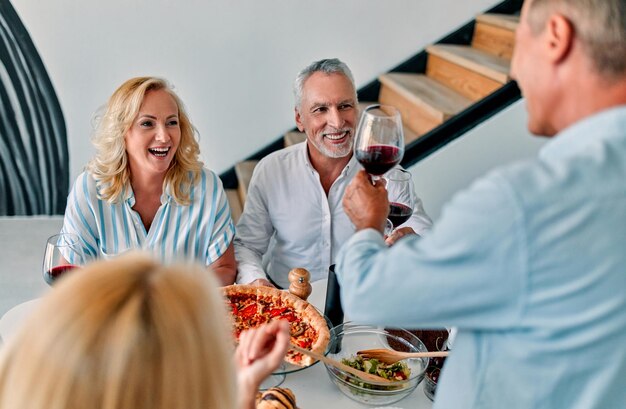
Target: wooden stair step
(466, 82)
(365, 104)
(423, 102)
(495, 34)
(508, 21)
(235, 204)
(244, 170)
(409, 135)
(294, 137)
(490, 66)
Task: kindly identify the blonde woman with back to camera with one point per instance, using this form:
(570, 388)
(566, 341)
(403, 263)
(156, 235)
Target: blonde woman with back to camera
(132, 334)
(147, 189)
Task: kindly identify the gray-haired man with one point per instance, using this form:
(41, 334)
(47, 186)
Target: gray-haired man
(293, 215)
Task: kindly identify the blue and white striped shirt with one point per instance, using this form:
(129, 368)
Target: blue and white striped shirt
(201, 231)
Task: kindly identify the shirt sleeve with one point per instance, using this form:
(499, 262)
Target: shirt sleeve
(80, 217)
(469, 271)
(254, 230)
(223, 226)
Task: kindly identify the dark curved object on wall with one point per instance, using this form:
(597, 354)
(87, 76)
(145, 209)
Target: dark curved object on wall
(34, 162)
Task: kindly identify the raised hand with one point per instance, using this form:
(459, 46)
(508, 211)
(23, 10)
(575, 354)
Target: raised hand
(261, 350)
(366, 204)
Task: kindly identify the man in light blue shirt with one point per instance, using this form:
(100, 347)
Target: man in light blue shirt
(530, 261)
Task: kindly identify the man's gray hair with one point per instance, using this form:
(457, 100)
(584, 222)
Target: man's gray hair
(327, 66)
(600, 25)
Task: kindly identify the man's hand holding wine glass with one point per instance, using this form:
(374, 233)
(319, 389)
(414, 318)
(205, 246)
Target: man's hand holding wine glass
(366, 204)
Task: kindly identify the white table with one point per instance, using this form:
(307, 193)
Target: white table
(22, 243)
(21, 283)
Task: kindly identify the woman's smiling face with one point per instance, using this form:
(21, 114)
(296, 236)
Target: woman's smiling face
(154, 136)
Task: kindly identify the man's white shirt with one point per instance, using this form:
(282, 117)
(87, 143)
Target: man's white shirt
(288, 221)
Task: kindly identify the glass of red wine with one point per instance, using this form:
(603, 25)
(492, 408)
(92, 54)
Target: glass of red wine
(379, 143)
(63, 253)
(401, 195)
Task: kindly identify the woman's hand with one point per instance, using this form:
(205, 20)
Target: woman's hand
(261, 350)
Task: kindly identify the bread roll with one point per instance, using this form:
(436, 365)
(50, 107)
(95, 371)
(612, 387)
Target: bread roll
(277, 398)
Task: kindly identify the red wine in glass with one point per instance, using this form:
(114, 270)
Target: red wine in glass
(399, 213)
(63, 253)
(379, 141)
(378, 159)
(401, 195)
(57, 271)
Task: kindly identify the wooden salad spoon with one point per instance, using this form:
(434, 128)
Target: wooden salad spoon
(360, 374)
(389, 356)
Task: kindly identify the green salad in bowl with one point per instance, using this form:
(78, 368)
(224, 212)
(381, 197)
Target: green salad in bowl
(398, 371)
(404, 376)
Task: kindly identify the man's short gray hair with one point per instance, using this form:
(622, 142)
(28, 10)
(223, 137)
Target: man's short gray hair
(600, 25)
(327, 66)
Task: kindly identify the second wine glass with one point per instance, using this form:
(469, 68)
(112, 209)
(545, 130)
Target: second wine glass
(379, 142)
(401, 194)
(63, 253)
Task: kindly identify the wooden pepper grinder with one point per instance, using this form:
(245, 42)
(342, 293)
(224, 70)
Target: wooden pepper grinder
(300, 285)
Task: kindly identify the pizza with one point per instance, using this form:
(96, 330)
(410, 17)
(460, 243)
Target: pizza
(251, 306)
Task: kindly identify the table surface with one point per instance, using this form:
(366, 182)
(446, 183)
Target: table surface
(22, 243)
(21, 250)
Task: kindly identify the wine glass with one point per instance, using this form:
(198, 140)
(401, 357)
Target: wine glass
(379, 143)
(63, 253)
(401, 194)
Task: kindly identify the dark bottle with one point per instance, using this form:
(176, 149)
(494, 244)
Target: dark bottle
(332, 308)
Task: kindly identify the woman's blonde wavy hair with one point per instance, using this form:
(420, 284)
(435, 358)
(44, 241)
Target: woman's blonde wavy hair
(127, 333)
(110, 167)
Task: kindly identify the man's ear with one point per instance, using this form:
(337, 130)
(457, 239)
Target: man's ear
(559, 37)
(298, 120)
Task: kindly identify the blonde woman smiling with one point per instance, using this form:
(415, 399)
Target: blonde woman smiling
(146, 187)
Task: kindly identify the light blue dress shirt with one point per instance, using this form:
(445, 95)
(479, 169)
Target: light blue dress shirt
(530, 264)
(200, 232)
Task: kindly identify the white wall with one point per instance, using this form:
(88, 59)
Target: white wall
(498, 141)
(232, 61)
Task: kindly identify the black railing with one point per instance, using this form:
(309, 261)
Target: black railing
(450, 129)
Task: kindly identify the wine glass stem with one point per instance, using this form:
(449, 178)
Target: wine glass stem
(375, 179)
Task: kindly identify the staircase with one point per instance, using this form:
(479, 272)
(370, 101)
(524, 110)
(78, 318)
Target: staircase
(441, 92)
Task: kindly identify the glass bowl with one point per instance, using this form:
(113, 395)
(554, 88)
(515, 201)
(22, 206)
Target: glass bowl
(346, 339)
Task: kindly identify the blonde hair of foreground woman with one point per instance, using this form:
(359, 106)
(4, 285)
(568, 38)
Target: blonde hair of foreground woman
(126, 333)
